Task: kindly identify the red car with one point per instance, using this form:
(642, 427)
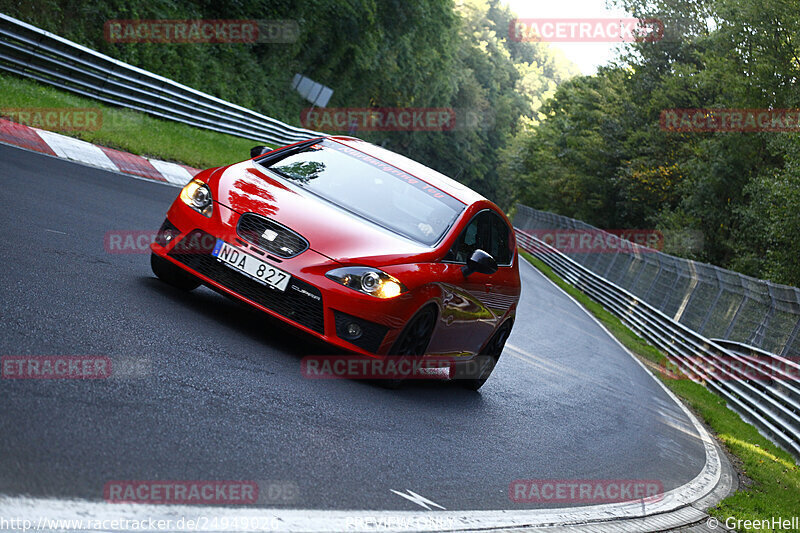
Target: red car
(359, 246)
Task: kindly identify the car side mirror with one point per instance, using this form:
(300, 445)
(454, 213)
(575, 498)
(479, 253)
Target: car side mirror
(256, 151)
(481, 262)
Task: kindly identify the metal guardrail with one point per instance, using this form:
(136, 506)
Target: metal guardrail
(34, 53)
(768, 396)
(710, 300)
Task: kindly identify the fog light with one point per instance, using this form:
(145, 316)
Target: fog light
(166, 233)
(353, 330)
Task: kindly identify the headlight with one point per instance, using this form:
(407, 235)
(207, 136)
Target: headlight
(197, 195)
(368, 280)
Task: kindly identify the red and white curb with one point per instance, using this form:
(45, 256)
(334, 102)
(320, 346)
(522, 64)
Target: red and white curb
(65, 147)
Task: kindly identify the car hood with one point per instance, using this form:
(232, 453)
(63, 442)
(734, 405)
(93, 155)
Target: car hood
(341, 236)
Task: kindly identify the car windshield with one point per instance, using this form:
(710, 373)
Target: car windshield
(371, 189)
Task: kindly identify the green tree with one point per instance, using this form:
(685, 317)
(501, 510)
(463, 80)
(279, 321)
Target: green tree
(372, 53)
(601, 154)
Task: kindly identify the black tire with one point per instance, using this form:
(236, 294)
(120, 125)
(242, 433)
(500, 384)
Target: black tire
(414, 339)
(172, 275)
(473, 374)
(416, 336)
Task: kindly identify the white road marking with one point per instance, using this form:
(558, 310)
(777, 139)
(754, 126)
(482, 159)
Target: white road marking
(46, 511)
(77, 150)
(172, 172)
(416, 498)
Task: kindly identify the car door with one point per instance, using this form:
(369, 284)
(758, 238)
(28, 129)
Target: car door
(503, 287)
(472, 305)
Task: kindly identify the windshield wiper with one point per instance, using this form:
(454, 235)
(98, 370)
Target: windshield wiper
(274, 157)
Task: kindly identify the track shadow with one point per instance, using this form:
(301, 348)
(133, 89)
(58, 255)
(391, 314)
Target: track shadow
(262, 328)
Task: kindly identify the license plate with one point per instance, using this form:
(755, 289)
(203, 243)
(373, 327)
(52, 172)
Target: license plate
(252, 266)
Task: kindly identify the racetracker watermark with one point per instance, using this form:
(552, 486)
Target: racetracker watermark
(730, 120)
(199, 522)
(586, 491)
(182, 492)
(129, 241)
(593, 241)
(734, 368)
(363, 367)
(399, 522)
(55, 366)
(353, 119)
(138, 242)
(205, 31)
(586, 30)
(56, 118)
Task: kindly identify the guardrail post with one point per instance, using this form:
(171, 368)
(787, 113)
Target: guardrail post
(647, 293)
(711, 309)
(690, 292)
(756, 338)
(729, 329)
(787, 348)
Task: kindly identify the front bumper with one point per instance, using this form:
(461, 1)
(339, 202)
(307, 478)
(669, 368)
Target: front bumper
(311, 302)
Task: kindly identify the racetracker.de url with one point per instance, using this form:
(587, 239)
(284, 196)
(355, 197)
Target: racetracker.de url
(198, 523)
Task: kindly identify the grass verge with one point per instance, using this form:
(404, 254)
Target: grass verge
(771, 489)
(128, 130)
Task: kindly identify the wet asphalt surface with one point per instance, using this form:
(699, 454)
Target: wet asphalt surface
(210, 389)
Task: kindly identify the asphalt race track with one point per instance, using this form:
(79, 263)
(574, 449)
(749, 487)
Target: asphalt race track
(213, 390)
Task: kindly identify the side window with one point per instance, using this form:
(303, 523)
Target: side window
(501, 241)
(469, 241)
(488, 232)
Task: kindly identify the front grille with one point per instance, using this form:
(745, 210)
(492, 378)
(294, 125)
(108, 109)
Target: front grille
(284, 242)
(300, 301)
(372, 334)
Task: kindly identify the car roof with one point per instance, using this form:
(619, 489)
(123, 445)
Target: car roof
(418, 170)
